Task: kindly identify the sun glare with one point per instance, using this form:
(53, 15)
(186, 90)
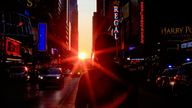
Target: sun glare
(82, 56)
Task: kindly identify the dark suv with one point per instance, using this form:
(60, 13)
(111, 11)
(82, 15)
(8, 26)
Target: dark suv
(18, 73)
(51, 76)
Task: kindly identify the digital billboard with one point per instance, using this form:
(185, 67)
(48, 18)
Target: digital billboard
(42, 35)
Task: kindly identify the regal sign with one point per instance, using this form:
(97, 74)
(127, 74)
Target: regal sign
(116, 21)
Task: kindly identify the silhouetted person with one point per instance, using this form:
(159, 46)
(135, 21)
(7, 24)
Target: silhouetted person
(106, 86)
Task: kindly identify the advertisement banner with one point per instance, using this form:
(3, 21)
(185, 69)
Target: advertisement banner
(42, 35)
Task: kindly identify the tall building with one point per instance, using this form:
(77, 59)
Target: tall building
(102, 18)
(55, 14)
(73, 17)
(16, 38)
(122, 19)
(94, 26)
(132, 28)
(168, 36)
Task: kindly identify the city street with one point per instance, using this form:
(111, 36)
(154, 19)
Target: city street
(133, 50)
(30, 96)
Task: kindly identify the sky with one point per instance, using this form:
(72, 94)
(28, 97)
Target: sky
(86, 9)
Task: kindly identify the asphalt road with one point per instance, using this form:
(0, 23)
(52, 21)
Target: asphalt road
(30, 96)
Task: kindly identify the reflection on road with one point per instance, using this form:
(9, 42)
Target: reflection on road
(30, 96)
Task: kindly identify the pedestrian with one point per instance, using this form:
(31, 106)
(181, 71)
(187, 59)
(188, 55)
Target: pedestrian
(106, 86)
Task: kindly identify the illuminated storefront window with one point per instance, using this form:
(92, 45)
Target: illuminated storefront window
(13, 47)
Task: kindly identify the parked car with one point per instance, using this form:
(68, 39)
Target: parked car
(177, 80)
(51, 76)
(18, 73)
(167, 77)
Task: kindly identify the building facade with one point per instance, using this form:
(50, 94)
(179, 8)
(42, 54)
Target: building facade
(123, 19)
(16, 37)
(74, 27)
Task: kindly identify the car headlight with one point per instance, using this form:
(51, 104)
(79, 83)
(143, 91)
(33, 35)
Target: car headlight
(28, 77)
(172, 83)
(40, 77)
(57, 77)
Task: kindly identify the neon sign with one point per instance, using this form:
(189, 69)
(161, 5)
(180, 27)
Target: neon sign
(29, 3)
(42, 36)
(142, 21)
(116, 21)
(186, 45)
(13, 47)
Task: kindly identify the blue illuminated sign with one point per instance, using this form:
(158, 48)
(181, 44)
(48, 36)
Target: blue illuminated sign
(188, 59)
(186, 45)
(131, 48)
(27, 13)
(170, 66)
(42, 29)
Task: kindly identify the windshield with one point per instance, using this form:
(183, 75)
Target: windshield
(50, 71)
(171, 72)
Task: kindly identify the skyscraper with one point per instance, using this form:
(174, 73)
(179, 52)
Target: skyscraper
(73, 18)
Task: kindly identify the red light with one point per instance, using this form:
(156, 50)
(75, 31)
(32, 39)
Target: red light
(20, 24)
(26, 69)
(158, 78)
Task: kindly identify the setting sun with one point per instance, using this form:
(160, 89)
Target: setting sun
(86, 9)
(82, 56)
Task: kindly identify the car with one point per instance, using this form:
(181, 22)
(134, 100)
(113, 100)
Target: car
(177, 80)
(76, 74)
(167, 78)
(18, 73)
(67, 72)
(51, 76)
(67, 69)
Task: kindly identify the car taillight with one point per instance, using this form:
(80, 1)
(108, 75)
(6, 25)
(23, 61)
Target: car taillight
(60, 69)
(26, 69)
(159, 78)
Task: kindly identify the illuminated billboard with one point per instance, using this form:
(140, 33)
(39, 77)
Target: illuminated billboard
(42, 35)
(186, 45)
(13, 47)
